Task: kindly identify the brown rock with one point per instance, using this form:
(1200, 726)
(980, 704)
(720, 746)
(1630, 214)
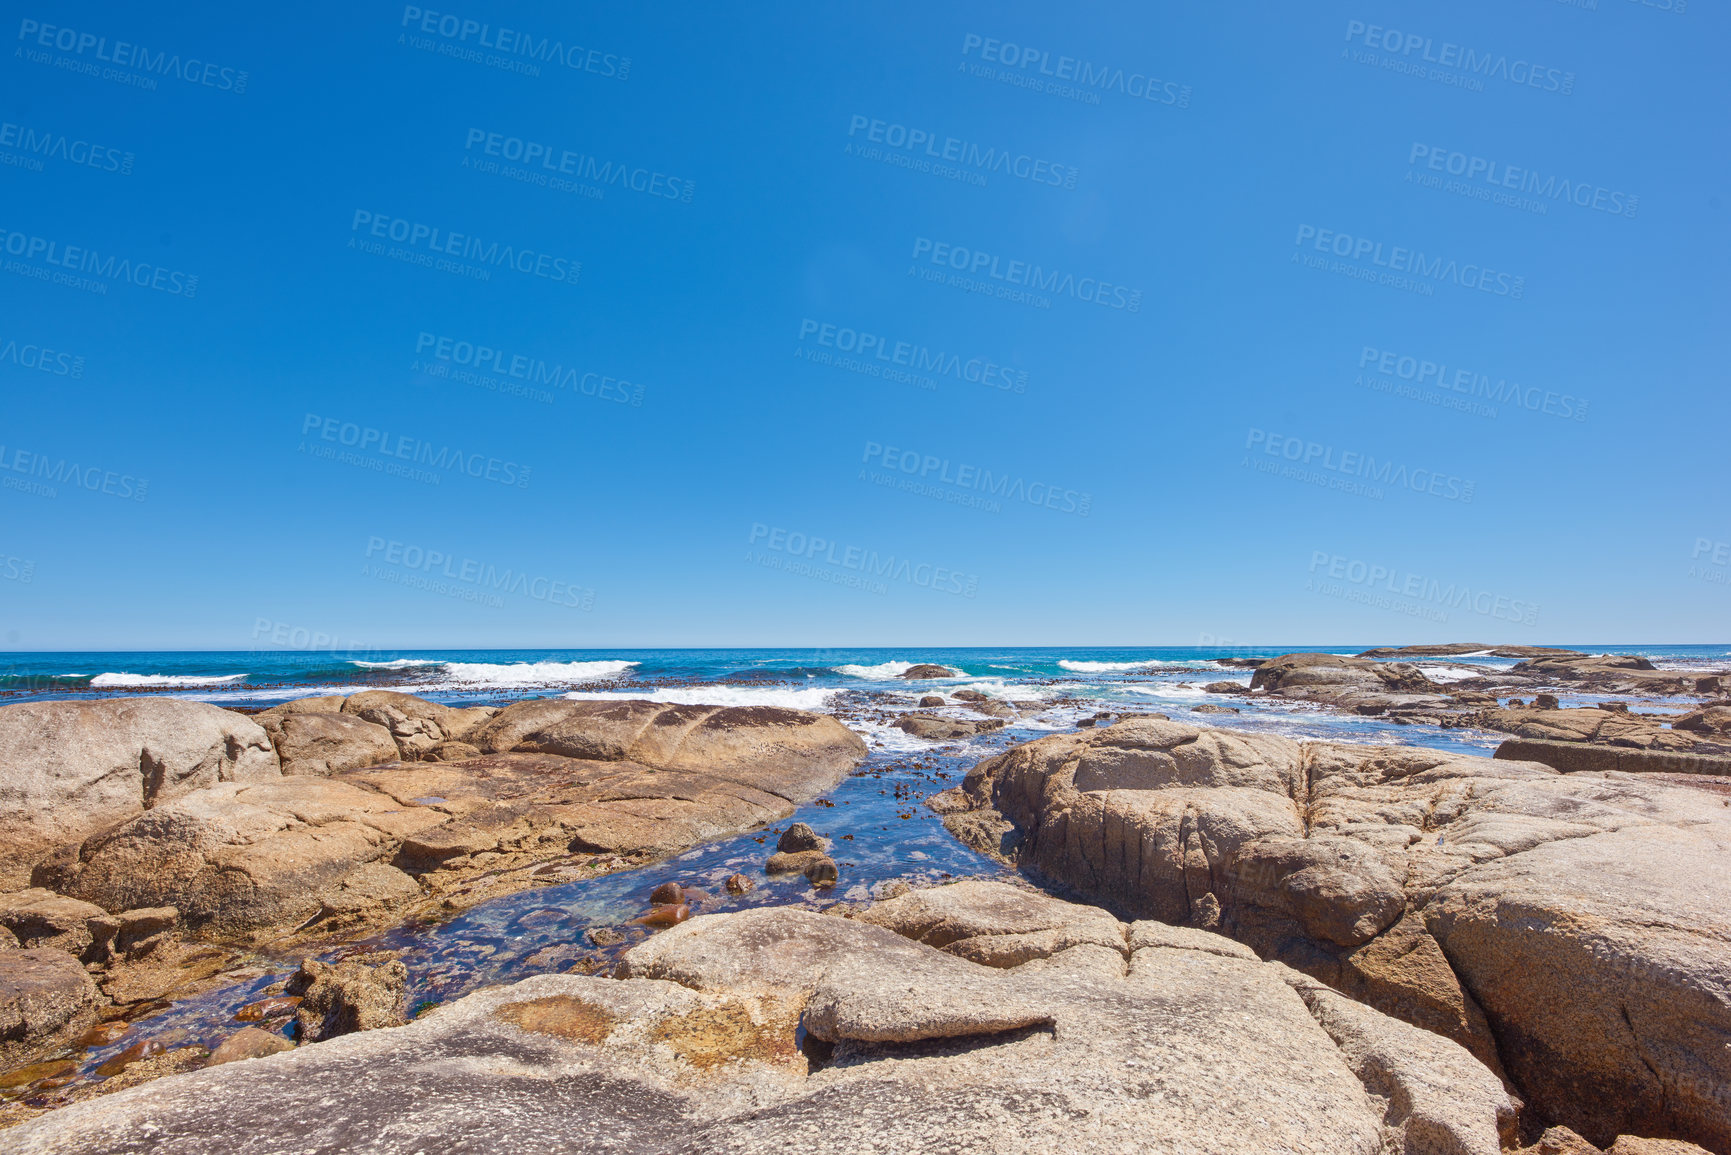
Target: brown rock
(40, 918)
(137, 1052)
(349, 996)
(605, 936)
(669, 893)
(926, 670)
(249, 1043)
(817, 866)
(931, 700)
(326, 743)
(940, 729)
(1224, 688)
(46, 1000)
(71, 768)
(1630, 1145)
(740, 884)
(791, 753)
(667, 914)
(798, 836)
(272, 1007)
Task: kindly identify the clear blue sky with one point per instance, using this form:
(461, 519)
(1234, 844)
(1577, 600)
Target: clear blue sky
(1241, 179)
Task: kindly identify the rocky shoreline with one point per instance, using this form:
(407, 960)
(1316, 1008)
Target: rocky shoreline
(1273, 944)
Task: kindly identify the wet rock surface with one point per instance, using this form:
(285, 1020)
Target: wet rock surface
(46, 1001)
(1460, 893)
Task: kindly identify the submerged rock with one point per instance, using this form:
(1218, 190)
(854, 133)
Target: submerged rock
(249, 1043)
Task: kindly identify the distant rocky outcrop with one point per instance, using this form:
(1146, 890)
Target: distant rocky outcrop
(1458, 893)
(925, 670)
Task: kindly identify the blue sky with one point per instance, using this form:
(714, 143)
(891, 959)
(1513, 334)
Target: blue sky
(1199, 321)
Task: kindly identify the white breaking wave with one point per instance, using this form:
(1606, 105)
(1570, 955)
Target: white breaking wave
(1076, 667)
(123, 679)
(396, 663)
(881, 671)
(531, 673)
(717, 696)
(1448, 673)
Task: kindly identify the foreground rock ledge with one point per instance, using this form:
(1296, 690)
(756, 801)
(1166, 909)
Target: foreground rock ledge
(1571, 927)
(1130, 1038)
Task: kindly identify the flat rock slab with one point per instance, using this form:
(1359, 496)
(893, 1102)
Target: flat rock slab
(1574, 757)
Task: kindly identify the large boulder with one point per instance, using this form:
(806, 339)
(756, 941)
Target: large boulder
(46, 1001)
(68, 769)
(321, 743)
(417, 724)
(1321, 672)
(792, 753)
(240, 856)
(1459, 893)
(699, 1046)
